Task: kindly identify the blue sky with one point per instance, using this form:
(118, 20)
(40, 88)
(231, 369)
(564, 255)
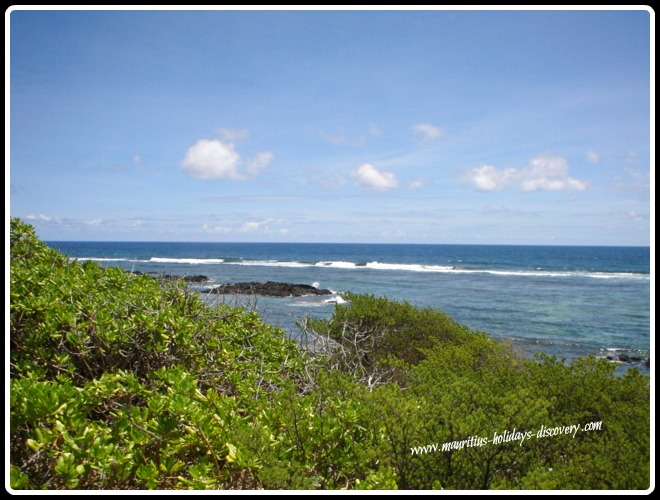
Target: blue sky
(434, 126)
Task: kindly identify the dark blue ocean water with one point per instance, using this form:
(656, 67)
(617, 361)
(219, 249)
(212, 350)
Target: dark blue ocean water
(568, 301)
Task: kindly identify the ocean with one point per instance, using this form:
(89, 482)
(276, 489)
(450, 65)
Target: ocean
(567, 301)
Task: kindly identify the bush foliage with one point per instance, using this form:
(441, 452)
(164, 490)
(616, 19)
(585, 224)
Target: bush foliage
(120, 381)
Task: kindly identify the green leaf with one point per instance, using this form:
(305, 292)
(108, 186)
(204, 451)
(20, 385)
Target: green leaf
(231, 452)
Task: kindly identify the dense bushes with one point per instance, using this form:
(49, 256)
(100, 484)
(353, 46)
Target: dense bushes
(460, 384)
(121, 381)
(389, 328)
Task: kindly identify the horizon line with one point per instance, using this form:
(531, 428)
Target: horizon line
(349, 243)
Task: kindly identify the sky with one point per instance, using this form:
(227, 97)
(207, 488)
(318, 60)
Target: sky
(373, 126)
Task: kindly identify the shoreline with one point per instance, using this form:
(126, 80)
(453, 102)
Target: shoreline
(565, 315)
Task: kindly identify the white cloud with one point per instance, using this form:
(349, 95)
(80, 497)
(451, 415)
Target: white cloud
(489, 178)
(549, 173)
(211, 159)
(251, 227)
(428, 131)
(393, 234)
(369, 177)
(628, 216)
(544, 173)
(417, 184)
(356, 141)
(260, 162)
(43, 218)
(216, 229)
(593, 156)
(217, 159)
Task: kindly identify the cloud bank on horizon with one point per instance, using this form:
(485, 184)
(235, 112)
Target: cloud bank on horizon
(435, 126)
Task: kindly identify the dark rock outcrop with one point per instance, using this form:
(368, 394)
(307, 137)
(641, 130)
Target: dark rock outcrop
(625, 358)
(629, 359)
(270, 288)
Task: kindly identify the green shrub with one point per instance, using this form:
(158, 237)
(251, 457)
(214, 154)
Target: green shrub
(120, 381)
(389, 328)
(453, 384)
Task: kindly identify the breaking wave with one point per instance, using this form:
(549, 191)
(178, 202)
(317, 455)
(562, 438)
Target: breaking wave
(384, 266)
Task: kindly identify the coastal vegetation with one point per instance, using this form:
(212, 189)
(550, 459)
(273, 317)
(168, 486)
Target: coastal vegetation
(122, 381)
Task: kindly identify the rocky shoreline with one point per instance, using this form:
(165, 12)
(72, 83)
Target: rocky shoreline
(629, 359)
(280, 289)
(269, 288)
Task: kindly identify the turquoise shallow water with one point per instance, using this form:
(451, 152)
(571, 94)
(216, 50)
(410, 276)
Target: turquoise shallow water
(567, 301)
